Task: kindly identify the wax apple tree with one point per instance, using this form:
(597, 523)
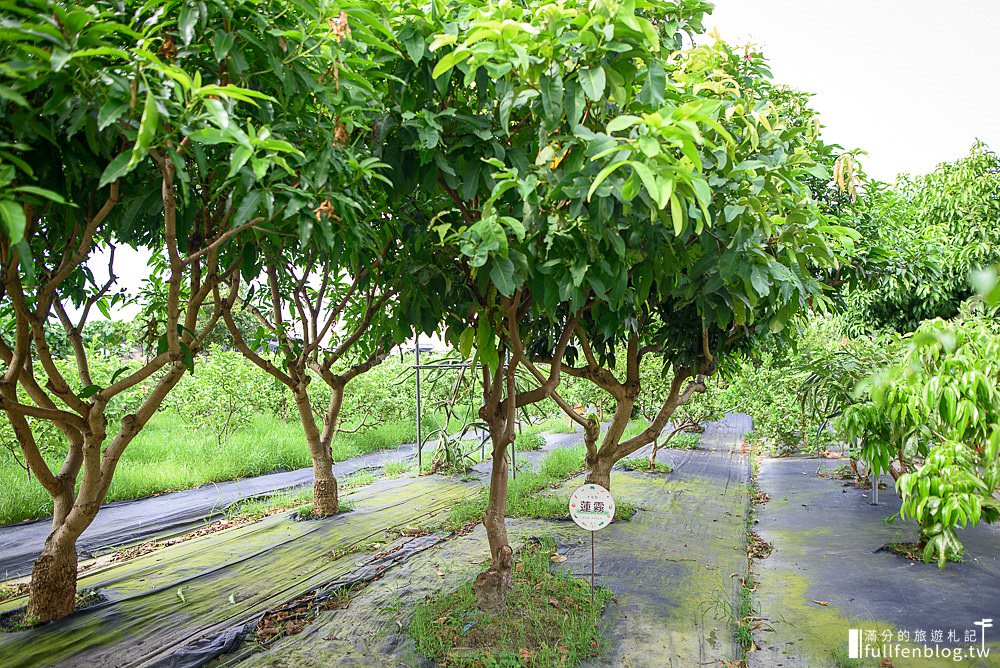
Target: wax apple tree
(545, 143)
(121, 129)
(737, 259)
(324, 295)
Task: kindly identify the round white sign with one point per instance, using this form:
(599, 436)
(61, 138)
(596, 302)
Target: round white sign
(592, 507)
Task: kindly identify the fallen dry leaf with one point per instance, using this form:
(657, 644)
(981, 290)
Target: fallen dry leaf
(822, 602)
(525, 653)
(441, 620)
(440, 574)
(558, 558)
(554, 603)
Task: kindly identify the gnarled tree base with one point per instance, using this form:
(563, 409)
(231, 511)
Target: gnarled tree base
(325, 499)
(52, 594)
(493, 586)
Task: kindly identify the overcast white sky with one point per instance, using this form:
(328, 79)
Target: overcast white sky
(913, 82)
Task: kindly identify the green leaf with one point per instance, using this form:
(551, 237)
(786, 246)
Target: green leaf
(221, 44)
(116, 374)
(450, 60)
(502, 275)
(148, 125)
(14, 221)
(42, 192)
(465, 341)
(732, 210)
(248, 206)
(648, 180)
(241, 154)
(414, 44)
(116, 169)
(10, 94)
(593, 81)
(187, 22)
(89, 391)
(486, 344)
(653, 89)
(187, 357)
(111, 112)
(604, 174)
(760, 280)
(619, 123)
(677, 214)
(552, 97)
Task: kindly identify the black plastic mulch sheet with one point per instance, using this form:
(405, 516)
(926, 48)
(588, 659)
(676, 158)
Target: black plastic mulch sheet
(183, 605)
(668, 566)
(677, 559)
(371, 631)
(826, 573)
(127, 522)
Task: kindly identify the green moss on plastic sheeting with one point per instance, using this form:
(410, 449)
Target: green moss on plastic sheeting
(159, 602)
(671, 566)
(372, 630)
(825, 576)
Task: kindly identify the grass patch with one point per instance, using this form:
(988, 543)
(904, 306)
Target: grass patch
(262, 506)
(524, 497)
(634, 428)
(685, 440)
(306, 512)
(396, 469)
(642, 464)
(549, 620)
(169, 455)
(529, 440)
(557, 424)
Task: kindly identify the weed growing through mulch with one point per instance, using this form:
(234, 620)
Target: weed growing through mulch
(9, 591)
(548, 621)
(642, 465)
(913, 552)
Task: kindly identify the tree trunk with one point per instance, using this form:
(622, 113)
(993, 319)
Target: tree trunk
(652, 454)
(600, 471)
(52, 594)
(325, 498)
(493, 587)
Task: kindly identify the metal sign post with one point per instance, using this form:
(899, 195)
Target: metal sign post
(592, 508)
(593, 561)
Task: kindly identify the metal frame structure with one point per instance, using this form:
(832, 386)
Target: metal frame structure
(441, 365)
